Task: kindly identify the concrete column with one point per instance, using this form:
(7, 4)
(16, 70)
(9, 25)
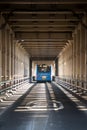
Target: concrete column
(30, 69)
(59, 64)
(4, 61)
(63, 63)
(16, 61)
(22, 58)
(66, 62)
(72, 59)
(85, 21)
(78, 54)
(69, 60)
(86, 55)
(8, 54)
(12, 56)
(74, 56)
(0, 57)
(82, 53)
(8, 46)
(56, 67)
(19, 61)
(26, 65)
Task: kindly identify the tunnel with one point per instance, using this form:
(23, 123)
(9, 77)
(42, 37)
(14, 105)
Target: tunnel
(43, 33)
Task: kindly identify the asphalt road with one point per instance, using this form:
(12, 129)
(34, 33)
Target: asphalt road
(46, 106)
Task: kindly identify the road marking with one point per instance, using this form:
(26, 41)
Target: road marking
(80, 105)
(40, 105)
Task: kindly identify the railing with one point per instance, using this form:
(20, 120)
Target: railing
(77, 85)
(10, 84)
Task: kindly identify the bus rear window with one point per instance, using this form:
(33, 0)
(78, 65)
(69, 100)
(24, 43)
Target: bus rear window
(44, 69)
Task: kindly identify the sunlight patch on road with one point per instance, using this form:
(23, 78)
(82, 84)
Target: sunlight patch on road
(80, 105)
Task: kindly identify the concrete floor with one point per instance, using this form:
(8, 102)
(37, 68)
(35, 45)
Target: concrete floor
(46, 106)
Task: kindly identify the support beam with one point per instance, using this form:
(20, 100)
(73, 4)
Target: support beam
(43, 36)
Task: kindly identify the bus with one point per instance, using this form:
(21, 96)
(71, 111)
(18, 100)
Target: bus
(43, 73)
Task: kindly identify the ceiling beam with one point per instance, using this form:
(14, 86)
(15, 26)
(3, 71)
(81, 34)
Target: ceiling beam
(41, 40)
(57, 17)
(43, 36)
(43, 45)
(58, 29)
(43, 24)
(43, 58)
(22, 2)
(47, 25)
(19, 11)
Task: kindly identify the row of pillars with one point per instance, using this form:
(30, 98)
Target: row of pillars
(80, 53)
(73, 59)
(7, 54)
(14, 60)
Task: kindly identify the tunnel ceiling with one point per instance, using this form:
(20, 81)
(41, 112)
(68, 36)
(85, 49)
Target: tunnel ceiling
(43, 27)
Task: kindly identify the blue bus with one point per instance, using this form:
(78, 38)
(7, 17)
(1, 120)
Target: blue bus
(43, 73)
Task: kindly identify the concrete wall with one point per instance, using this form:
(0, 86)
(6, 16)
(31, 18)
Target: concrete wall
(21, 66)
(14, 60)
(73, 58)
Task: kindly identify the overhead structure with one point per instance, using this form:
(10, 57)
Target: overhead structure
(44, 27)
